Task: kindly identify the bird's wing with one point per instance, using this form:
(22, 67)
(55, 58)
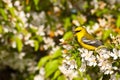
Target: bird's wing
(92, 42)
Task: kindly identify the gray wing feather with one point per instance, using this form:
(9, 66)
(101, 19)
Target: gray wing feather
(94, 42)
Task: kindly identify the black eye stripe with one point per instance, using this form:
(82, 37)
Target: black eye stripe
(77, 31)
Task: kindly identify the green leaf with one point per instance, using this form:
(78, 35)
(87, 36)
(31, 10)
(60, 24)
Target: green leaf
(36, 43)
(51, 67)
(67, 23)
(40, 38)
(78, 61)
(57, 73)
(118, 21)
(106, 34)
(1, 29)
(19, 44)
(88, 77)
(4, 15)
(36, 2)
(12, 11)
(86, 5)
(62, 77)
(27, 8)
(102, 12)
(117, 76)
(78, 78)
(18, 28)
(81, 20)
(91, 23)
(33, 30)
(57, 53)
(68, 35)
(74, 16)
(43, 61)
(30, 77)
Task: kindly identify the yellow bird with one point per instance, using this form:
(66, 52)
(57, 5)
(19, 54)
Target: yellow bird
(86, 40)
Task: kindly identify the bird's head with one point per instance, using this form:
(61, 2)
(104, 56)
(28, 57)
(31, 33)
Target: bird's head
(79, 31)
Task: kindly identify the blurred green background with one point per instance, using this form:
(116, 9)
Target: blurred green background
(37, 35)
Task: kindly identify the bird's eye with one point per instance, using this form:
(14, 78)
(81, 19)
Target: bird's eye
(77, 31)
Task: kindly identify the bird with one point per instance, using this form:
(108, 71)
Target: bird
(85, 39)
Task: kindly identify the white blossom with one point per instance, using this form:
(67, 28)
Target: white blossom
(68, 68)
(17, 3)
(41, 30)
(48, 42)
(13, 44)
(30, 42)
(21, 55)
(39, 77)
(115, 54)
(83, 67)
(95, 27)
(102, 22)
